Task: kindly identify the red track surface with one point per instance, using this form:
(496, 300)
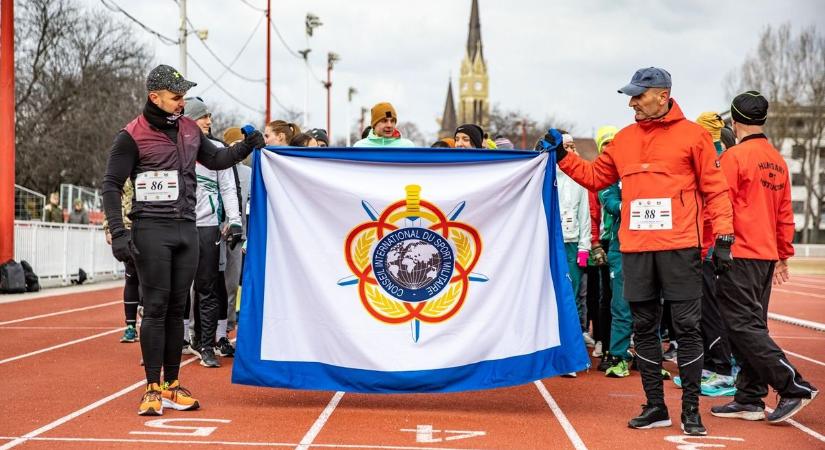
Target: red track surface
(69, 389)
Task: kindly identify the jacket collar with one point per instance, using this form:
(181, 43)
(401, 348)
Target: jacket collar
(674, 115)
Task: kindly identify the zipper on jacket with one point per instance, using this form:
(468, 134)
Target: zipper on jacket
(698, 234)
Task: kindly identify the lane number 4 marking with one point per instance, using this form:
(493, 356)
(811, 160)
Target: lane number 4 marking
(685, 442)
(167, 424)
(426, 434)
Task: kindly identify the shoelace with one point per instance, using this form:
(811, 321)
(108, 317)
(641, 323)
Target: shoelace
(151, 396)
(179, 390)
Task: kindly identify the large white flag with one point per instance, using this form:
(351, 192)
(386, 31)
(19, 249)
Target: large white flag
(405, 271)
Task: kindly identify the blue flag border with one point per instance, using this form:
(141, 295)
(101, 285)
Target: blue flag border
(249, 368)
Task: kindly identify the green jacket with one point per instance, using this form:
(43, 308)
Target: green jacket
(53, 213)
(611, 199)
(374, 141)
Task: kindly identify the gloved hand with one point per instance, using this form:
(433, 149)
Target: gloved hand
(582, 258)
(234, 236)
(552, 141)
(599, 256)
(722, 257)
(122, 247)
(253, 137)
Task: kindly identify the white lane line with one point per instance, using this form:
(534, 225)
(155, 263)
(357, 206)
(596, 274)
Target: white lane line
(226, 443)
(92, 406)
(802, 428)
(805, 285)
(813, 338)
(804, 294)
(797, 321)
(65, 344)
(55, 328)
(310, 436)
(574, 437)
(804, 357)
(66, 311)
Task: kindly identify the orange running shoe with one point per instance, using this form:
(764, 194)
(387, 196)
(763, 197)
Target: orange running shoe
(151, 404)
(177, 397)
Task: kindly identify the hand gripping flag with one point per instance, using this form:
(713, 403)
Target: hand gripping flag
(405, 271)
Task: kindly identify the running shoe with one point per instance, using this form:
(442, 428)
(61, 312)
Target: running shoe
(692, 422)
(177, 397)
(607, 362)
(670, 353)
(597, 350)
(129, 335)
(151, 404)
(208, 358)
(665, 375)
(619, 370)
(569, 375)
(788, 407)
(224, 348)
(736, 410)
(716, 385)
(588, 340)
(652, 416)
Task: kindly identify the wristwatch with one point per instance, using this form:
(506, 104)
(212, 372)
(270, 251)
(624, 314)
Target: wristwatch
(726, 239)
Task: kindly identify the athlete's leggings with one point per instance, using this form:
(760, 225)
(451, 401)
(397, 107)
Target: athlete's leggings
(206, 281)
(131, 293)
(166, 259)
(223, 299)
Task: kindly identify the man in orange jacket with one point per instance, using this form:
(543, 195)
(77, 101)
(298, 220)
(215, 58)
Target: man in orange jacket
(760, 191)
(669, 172)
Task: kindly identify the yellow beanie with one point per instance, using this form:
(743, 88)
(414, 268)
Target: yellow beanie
(712, 122)
(604, 135)
(232, 135)
(381, 111)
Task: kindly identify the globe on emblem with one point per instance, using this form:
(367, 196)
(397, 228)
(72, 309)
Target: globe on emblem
(413, 263)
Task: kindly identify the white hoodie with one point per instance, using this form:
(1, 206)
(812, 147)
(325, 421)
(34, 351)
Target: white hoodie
(211, 185)
(574, 207)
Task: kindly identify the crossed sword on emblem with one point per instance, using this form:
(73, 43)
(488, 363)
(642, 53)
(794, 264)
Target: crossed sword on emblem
(411, 222)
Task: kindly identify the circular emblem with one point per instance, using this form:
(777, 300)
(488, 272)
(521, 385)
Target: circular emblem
(413, 264)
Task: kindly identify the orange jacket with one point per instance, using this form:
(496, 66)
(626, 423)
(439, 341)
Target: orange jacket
(595, 219)
(760, 191)
(668, 158)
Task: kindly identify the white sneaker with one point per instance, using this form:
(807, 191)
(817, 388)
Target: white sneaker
(588, 341)
(597, 350)
(569, 375)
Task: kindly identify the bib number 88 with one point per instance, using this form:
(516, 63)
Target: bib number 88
(650, 214)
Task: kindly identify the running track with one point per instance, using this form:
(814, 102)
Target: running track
(70, 384)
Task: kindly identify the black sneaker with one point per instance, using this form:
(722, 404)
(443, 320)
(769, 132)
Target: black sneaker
(225, 348)
(670, 353)
(692, 422)
(607, 362)
(652, 416)
(208, 358)
(739, 411)
(787, 407)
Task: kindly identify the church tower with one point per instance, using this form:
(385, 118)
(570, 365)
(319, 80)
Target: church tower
(448, 118)
(473, 84)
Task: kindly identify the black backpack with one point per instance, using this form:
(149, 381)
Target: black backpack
(12, 278)
(32, 280)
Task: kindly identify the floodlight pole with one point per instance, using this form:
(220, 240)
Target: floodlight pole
(6, 130)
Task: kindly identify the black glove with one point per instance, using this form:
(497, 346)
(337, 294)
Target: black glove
(234, 236)
(122, 247)
(252, 137)
(552, 141)
(722, 257)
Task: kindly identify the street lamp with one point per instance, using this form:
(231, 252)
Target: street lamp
(352, 91)
(332, 58)
(311, 22)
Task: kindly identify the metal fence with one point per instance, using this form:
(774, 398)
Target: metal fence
(57, 251)
(28, 204)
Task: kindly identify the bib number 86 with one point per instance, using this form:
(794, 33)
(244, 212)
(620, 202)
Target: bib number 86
(156, 186)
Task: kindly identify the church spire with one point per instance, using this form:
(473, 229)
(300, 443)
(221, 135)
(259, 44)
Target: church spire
(474, 36)
(448, 119)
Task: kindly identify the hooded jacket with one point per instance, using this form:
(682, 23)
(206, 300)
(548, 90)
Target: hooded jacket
(376, 141)
(575, 211)
(670, 159)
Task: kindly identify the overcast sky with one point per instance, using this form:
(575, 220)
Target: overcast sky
(546, 58)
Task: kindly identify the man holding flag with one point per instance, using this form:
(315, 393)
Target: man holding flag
(669, 172)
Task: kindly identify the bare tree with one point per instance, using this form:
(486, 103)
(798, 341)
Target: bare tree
(789, 70)
(410, 131)
(79, 80)
(518, 126)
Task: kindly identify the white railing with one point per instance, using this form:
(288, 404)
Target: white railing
(56, 251)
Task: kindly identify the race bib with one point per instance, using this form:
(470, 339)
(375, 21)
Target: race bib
(651, 214)
(568, 221)
(157, 186)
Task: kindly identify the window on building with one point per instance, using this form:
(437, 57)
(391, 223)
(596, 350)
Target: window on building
(798, 206)
(798, 179)
(798, 151)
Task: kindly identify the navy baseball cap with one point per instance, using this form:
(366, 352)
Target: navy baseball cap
(650, 77)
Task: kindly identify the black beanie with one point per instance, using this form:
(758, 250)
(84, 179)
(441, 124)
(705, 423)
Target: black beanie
(474, 131)
(749, 108)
